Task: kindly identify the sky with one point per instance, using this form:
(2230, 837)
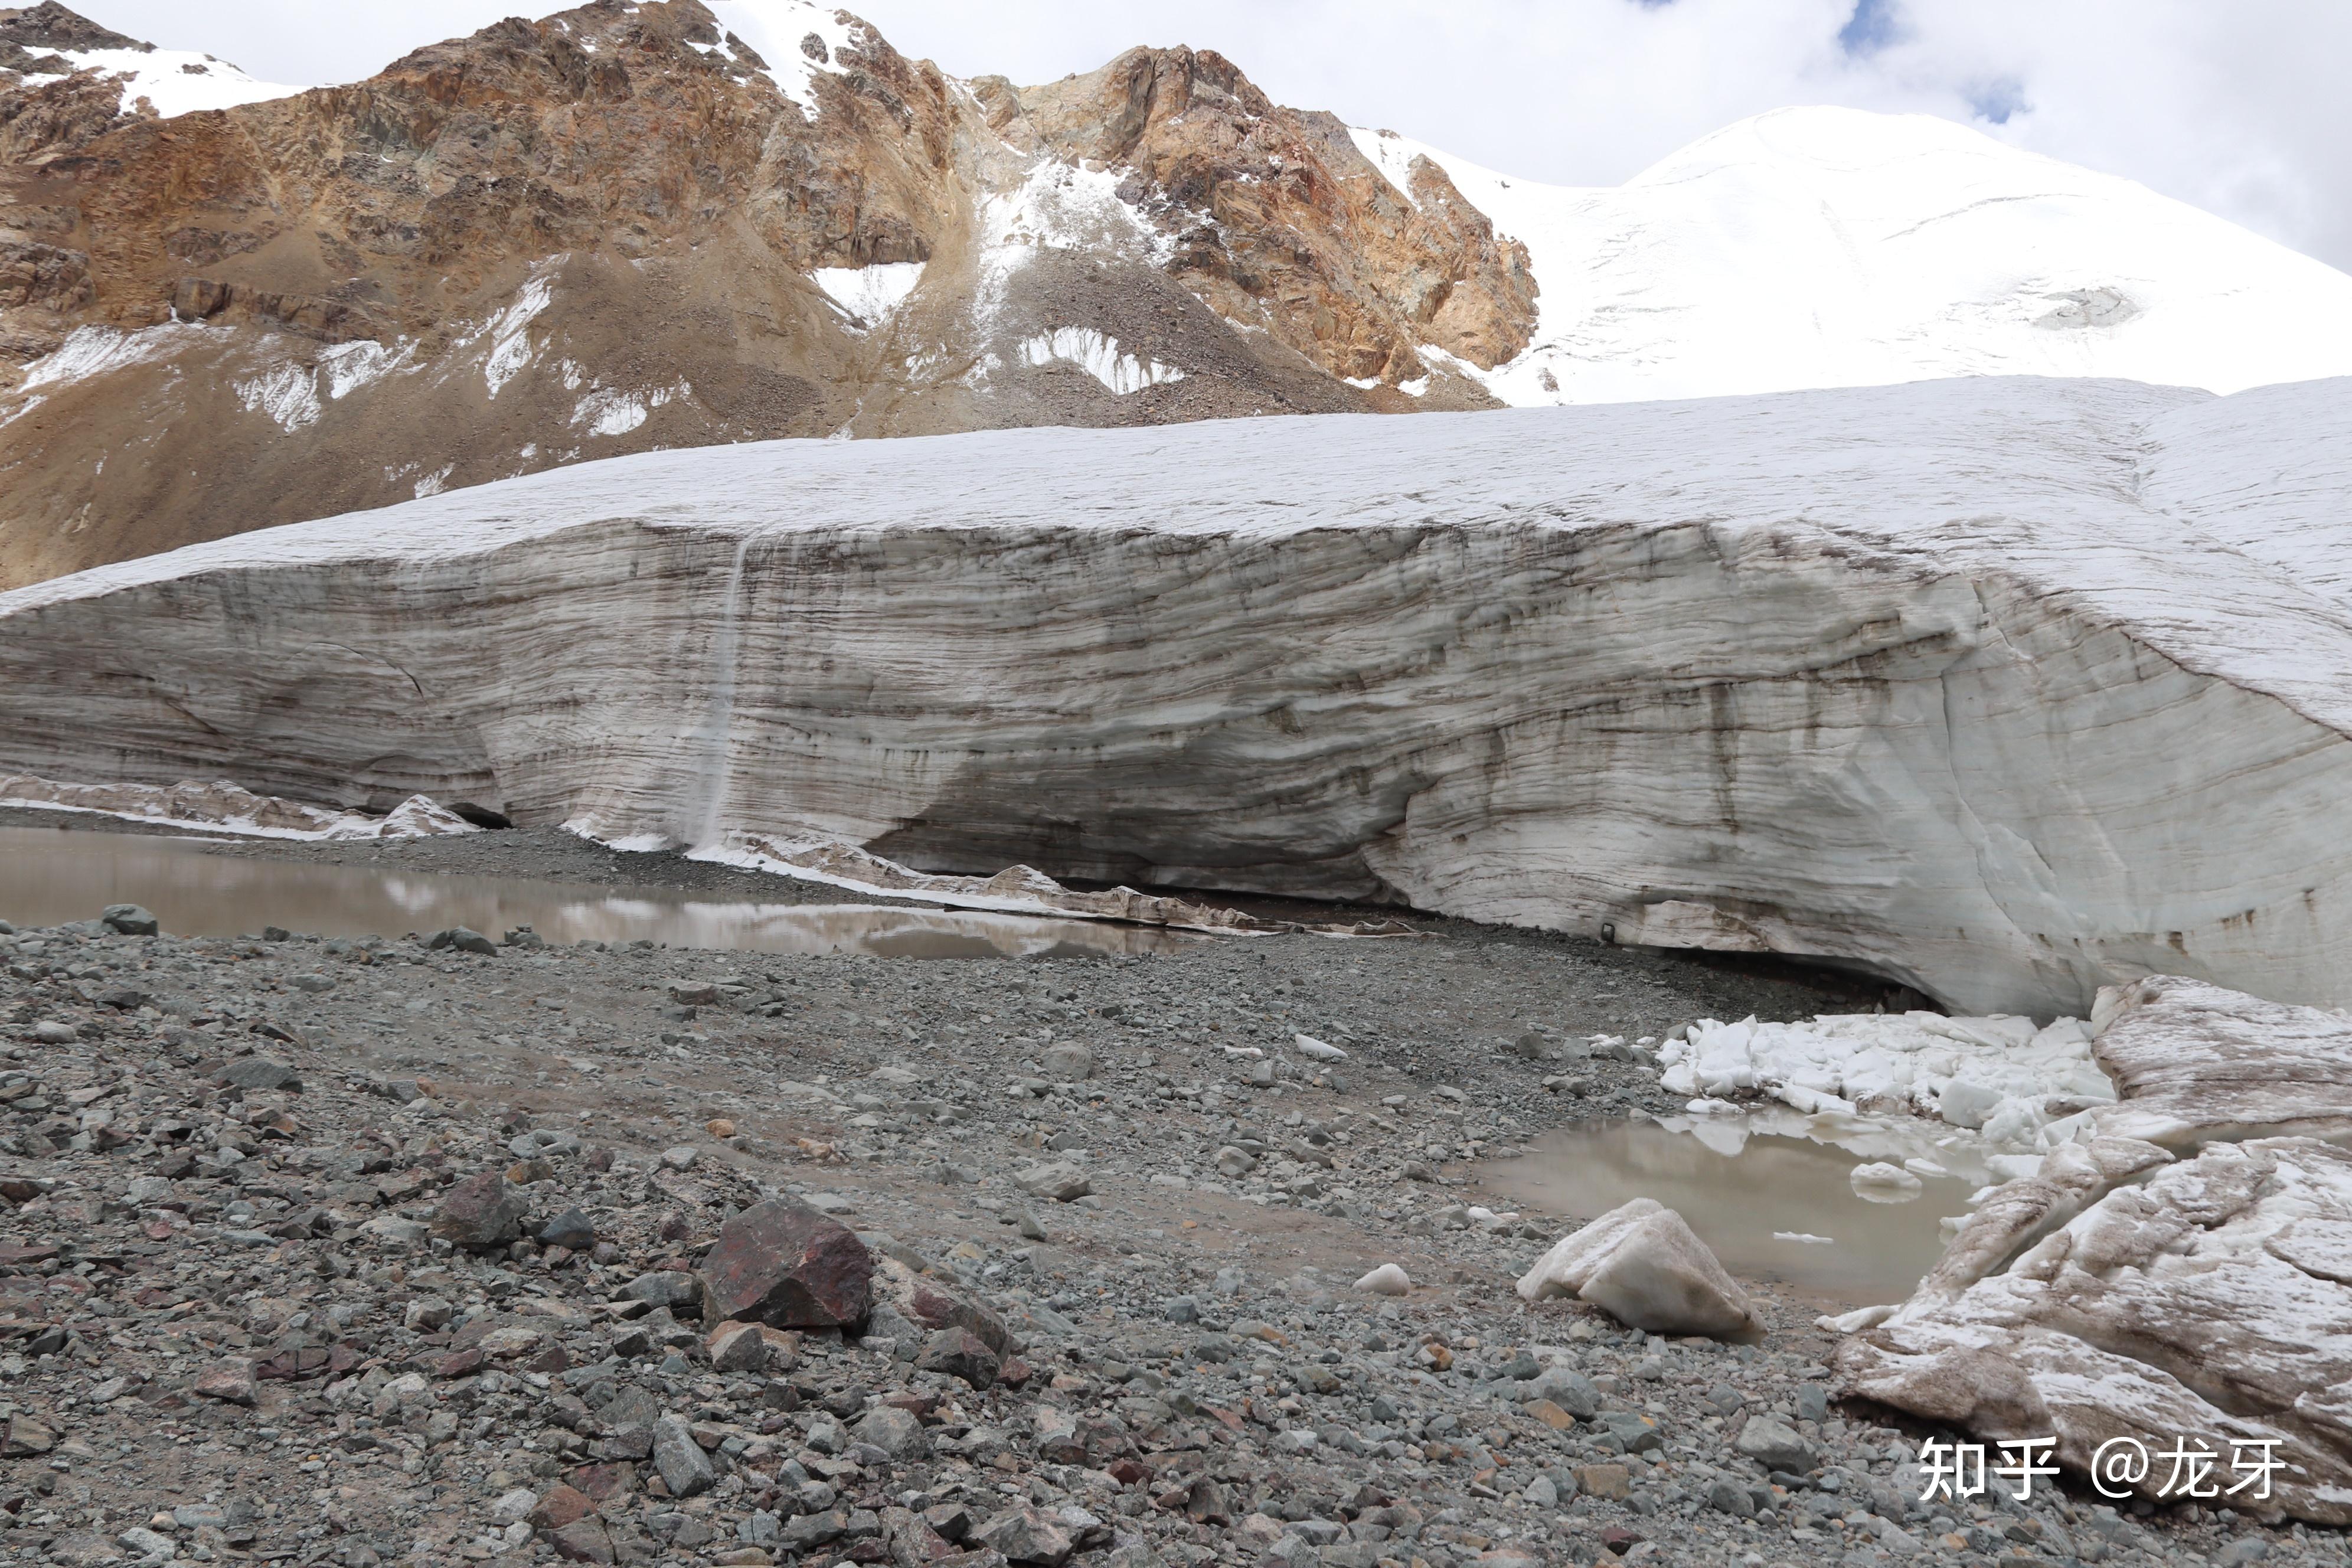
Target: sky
(2236, 108)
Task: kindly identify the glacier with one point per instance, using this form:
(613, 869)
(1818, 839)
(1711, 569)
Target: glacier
(2005, 688)
(2183, 1266)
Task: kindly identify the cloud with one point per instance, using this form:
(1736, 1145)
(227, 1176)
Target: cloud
(2231, 107)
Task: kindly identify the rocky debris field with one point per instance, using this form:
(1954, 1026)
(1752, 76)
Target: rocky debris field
(448, 1248)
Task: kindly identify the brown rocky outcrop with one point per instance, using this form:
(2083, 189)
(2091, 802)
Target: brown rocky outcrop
(1278, 220)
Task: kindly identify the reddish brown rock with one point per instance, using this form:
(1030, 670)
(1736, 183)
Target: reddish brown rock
(481, 1212)
(782, 1263)
(232, 1381)
(933, 1304)
(584, 1540)
(558, 1505)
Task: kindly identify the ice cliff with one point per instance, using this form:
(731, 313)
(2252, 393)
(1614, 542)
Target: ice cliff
(2007, 687)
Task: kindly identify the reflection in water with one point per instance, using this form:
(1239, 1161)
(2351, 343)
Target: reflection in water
(1763, 1194)
(49, 877)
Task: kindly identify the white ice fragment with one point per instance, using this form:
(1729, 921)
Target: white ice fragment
(1387, 1280)
(2014, 1167)
(1853, 1322)
(1883, 1183)
(1309, 1046)
(228, 808)
(1967, 1070)
(1799, 1236)
(1642, 1264)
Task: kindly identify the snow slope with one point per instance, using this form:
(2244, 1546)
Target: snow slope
(174, 81)
(1811, 247)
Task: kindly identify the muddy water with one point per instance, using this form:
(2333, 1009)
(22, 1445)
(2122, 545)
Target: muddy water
(1748, 1194)
(49, 877)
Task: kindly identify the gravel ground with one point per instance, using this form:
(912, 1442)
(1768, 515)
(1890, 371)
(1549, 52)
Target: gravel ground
(363, 1252)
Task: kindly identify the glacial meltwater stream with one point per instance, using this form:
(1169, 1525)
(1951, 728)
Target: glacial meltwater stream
(49, 877)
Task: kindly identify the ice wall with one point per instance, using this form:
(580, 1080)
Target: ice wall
(2009, 687)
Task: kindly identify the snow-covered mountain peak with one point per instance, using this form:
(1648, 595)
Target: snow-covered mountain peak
(1827, 247)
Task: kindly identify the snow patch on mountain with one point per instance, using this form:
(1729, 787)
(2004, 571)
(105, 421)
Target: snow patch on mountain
(1816, 247)
(511, 350)
(1393, 155)
(868, 295)
(95, 351)
(171, 81)
(293, 395)
(1100, 357)
(782, 31)
(288, 393)
(345, 368)
(608, 410)
(1060, 206)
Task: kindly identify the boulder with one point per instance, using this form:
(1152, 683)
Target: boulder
(571, 1228)
(739, 1347)
(1641, 1264)
(1068, 1063)
(1774, 1443)
(233, 1382)
(782, 1263)
(22, 1437)
(1567, 1390)
(463, 940)
(684, 1468)
(895, 1432)
(558, 1505)
(672, 1288)
(1060, 1181)
(932, 1303)
(259, 1074)
(1025, 1535)
(480, 1213)
(130, 920)
(960, 1353)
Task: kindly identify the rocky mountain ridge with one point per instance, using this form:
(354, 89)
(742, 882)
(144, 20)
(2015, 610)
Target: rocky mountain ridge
(613, 230)
(226, 304)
